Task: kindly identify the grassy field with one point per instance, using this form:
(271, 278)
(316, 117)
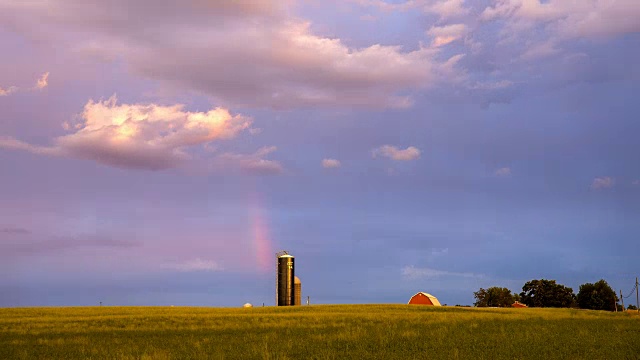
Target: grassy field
(317, 332)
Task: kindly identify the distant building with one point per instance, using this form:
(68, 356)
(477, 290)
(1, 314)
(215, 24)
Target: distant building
(297, 284)
(518, 304)
(423, 298)
(247, 305)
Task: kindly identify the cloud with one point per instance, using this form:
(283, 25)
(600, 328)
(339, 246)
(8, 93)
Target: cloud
(56, 244)
(636, 182)
(196, 265)
(251, 163)
(8, 91)
(505, 171)
(143, 136)
(414, 273)
(43, 81)
(497, 85)
(387, 6)
(521, 9)
(569, 19)
(540, 51)
(443, 35)
(330, 163)
(394, 153)
(602, 183)
(263, 56)
(444, 8)
(439, 252)
(14, 230)
(14, 144)
(447, 8)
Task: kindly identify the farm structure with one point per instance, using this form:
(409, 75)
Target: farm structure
(285, 283)
(423, 298)
(297, 284)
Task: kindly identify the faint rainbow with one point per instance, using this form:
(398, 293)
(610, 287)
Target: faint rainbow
(262, 244)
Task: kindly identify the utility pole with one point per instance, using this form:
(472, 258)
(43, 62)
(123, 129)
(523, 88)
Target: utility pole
(622, 299)
(637, 303)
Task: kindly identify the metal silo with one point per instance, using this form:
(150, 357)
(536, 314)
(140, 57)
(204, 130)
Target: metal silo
(285, 288)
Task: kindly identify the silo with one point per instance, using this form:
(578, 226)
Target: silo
(298, 291)
(285, 289)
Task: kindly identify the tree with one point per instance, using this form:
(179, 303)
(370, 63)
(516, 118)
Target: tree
(632, 307)
(493, 296)
(598, 296)
(546, 293)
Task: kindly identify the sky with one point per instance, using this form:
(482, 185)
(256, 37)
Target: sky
(159, 152)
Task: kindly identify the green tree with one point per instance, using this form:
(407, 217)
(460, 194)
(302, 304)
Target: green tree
(546, 293)
(493, 296)
(632, 307)
(598, 296)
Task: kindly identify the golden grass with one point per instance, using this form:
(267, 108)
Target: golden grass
(317, 332)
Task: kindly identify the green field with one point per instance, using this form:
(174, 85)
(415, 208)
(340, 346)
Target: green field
(317, 332)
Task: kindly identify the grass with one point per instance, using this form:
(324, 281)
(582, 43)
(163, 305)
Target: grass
(317, 332)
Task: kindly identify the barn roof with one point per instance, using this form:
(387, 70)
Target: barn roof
(433, 299)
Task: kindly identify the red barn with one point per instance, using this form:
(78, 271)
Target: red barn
(518, 304)
(422, 298)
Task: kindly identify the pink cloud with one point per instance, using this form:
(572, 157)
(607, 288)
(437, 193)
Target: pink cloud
(147, 136)
(443, 35)
(251, 163)
(43, 81)
(394, 153)
(447, 8)
(569, 19)
(602, 183)
(330, 163)
(8, 91)
(263, 55)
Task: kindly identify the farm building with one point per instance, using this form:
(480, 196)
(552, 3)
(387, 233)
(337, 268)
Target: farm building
(297, 284)
(518, 304)
(423, 298)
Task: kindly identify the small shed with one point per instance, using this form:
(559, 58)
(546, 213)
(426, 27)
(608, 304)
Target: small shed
(423, 298)
(518, 304)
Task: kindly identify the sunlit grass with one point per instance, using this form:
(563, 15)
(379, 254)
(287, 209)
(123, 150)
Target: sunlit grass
(317, 332)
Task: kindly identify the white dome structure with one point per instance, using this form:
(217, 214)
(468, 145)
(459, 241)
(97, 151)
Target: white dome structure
(247, 305)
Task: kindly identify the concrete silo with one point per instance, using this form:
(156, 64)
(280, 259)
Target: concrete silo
(285, 278)
(297, 284)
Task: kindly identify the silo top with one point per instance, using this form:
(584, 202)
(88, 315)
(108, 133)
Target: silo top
(285, 256)
(296, 280)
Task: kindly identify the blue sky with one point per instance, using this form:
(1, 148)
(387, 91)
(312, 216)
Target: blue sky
(158, 153)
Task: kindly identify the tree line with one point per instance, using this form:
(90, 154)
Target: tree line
(548, 293)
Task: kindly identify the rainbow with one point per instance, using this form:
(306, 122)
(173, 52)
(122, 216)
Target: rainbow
(263, 249)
